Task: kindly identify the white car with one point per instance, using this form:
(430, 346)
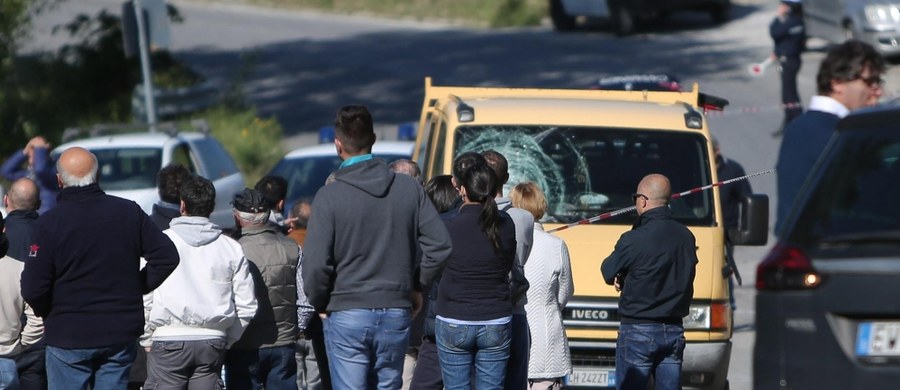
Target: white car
(306, 169)
(128, 164)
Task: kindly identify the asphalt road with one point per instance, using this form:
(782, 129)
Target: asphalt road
(301, 67)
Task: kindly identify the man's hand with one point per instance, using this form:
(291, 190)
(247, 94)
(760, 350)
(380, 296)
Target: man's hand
(39, 142)
(617, 284)
(416, 298)
(323, 315)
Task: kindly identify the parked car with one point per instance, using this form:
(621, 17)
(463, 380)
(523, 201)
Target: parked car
(827, 313)
(128, 164)
(876, 22)
(624, 14)
(306, 169)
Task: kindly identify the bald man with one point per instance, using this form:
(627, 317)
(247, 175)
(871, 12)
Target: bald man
(22, 202)
(406, 167)
(83, 276)
(653, 267)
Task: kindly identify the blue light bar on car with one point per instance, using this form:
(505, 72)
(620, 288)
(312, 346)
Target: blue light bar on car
(406, 131)
(326, 134)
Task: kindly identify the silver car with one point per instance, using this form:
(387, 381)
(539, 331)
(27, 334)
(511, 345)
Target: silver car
(876, 22)
(128, 164)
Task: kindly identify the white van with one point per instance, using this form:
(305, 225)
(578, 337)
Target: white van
(876, 22)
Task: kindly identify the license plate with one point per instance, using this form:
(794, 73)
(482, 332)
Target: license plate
(582, 376)
(878, 339)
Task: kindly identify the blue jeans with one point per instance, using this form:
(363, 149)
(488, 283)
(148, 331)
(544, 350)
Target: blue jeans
(462, 347)
(9, 377)
(645, 349)
(366, 347)
(270, 368)
(101, 368)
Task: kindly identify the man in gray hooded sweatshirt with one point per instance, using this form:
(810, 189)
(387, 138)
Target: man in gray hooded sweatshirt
(204, 306)
(360, 267)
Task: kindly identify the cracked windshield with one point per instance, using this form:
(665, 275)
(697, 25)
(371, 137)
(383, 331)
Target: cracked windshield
(585, 172)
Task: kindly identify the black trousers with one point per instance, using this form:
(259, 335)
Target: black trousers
(790, 98)
(316, 334)
(31, 367)
(427, 375)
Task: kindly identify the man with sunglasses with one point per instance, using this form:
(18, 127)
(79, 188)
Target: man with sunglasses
(653, 266)
(849, 78)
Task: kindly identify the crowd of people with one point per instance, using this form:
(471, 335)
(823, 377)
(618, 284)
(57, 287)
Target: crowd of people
(325, 298)
(98, 294)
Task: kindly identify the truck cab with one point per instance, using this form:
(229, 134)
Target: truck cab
(587, 150)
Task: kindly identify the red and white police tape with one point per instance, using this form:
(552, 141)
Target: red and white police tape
(674, 196)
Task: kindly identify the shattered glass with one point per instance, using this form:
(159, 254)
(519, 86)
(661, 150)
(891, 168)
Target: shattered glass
(587, 171)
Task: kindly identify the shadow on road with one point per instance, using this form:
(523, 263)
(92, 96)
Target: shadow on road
(304, 82)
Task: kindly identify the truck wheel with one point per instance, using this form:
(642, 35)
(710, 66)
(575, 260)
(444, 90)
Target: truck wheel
(561, 20)
(622, 19)
(721, 13)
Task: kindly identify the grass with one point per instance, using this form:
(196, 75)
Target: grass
(493, 13)
(253, 142)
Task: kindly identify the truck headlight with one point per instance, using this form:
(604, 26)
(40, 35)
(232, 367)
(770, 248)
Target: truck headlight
(707, 316)
(697, 318)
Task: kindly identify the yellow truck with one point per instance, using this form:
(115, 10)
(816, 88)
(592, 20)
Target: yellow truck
(587, 150)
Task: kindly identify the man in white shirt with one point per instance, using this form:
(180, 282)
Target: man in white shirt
(849, 78)
(204, 305)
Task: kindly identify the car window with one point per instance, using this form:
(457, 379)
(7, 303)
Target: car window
(425, 141)
(128, 168)
(441, 141)
(586, 171)
(182, 155)
(854, 195)
(305, 175)
(214, 158)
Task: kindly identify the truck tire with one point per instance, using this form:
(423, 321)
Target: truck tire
(561, 20)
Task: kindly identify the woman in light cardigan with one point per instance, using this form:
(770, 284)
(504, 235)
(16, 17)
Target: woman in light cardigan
(549, 273)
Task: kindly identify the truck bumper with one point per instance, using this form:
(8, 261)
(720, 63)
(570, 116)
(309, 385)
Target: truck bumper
(705, 365)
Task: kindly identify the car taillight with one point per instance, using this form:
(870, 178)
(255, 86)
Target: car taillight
(786, 268)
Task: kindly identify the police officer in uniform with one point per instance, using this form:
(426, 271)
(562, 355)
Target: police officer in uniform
(789, 36)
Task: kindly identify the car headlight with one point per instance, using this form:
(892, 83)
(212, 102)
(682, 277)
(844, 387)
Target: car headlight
(882, 14)
(707, 316)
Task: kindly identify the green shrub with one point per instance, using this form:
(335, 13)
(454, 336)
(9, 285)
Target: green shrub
(253, 142)
(517, 13)
(495, 13)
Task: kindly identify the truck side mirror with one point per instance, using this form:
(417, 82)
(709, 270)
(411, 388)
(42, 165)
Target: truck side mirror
(753, 221)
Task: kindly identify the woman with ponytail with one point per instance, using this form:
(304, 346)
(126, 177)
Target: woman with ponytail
(474, 307)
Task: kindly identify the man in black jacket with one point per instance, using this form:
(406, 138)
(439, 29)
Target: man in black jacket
(653, 265)
(22, 202)
(83, 276)
(168, 181)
